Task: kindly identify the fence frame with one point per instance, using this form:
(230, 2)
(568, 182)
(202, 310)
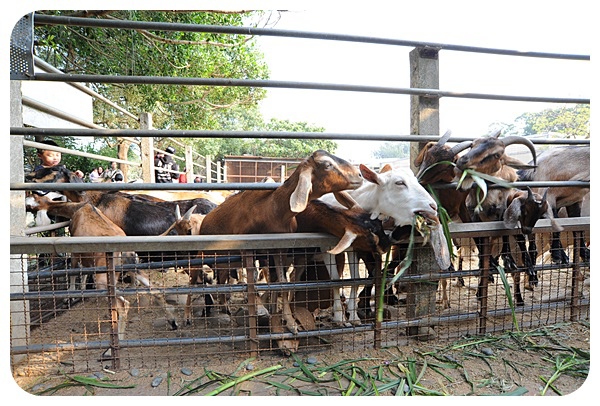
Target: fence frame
(423, 92)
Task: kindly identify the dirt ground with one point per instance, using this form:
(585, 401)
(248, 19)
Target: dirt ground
(551, 359)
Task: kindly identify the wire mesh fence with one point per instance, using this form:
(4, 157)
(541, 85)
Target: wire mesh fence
(202, 308)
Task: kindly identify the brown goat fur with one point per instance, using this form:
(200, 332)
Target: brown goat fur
(274, 211)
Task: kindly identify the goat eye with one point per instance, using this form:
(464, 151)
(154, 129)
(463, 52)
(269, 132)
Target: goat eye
(400, 183)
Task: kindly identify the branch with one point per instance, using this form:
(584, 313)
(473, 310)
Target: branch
(149, 35)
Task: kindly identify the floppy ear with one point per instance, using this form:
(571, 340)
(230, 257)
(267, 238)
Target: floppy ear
(345, 199)
(549, 215)
(299, 198)
(344, 243)
(440, 247)
(512, 213)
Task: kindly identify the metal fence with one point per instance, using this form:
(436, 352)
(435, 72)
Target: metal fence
(51, 324)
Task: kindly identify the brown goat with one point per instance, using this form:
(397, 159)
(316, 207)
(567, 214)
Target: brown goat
(355, 228)
(487, 156)
(87, 221)
(274, 211)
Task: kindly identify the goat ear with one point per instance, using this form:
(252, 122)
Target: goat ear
(517, 164)
(512, 214)
(385, 168)
(344, 243)
(368, 174)
(42, 219)
(439, 244)
(299, 198)
(555, 226)
(345, 199)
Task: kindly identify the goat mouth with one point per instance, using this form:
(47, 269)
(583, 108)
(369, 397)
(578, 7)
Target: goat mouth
(429, 218)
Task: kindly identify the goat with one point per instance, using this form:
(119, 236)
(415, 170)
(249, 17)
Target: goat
(569, 163)
(134, 214)
(435, 163)
(87, 221)
(394, 193)
(274, 211)
(215, 196)
(487, 156)
(355, 228)
(524, 208)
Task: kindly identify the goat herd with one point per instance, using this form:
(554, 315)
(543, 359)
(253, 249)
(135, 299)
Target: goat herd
(371, 213)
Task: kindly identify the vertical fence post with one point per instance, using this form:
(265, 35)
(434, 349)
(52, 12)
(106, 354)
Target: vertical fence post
(147, 148)
(424, 120)
(19, 283)
(189, 163)
(208, 170)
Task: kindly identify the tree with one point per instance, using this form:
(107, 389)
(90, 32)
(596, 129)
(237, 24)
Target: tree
(104, 51)
(570, 122)
(397, 149)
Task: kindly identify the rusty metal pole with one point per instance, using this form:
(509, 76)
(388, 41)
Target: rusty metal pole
(482, 290)
(576, 279)
(114, 314)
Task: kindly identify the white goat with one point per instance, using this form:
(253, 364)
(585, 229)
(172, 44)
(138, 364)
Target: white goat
(393, 193)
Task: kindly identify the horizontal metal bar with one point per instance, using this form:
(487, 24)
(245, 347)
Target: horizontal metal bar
(265, 83)
(49, 68)
(194, 243)
(39, 145)
(243, 186)
(158, 26)
(260, 134)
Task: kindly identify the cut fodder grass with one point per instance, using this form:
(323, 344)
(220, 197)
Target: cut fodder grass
(470, 366)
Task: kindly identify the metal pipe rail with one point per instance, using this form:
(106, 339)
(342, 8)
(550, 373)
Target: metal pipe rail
(262, 134)
(243, 186)
(158, 26)
(161, 80)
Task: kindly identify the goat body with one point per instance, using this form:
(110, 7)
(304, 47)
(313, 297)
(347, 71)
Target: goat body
(570, 163)
(487, 156)
(355, 228)
(394, 193)
(274, 211)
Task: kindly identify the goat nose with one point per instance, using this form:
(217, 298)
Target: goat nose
(433, 206)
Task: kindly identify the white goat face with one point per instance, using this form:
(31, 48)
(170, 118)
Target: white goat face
(401, 197)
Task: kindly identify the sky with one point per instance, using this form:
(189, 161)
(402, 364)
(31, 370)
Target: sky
(523, 26)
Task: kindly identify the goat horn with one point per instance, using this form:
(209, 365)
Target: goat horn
(188, 214)
(496, 134)
(517, 139)
(458, 148)
(177, 213)
(444, 138)
(529, 193)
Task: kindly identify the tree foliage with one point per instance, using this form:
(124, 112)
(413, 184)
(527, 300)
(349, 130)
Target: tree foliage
(106, 51)
(396, 149)
(570, 122)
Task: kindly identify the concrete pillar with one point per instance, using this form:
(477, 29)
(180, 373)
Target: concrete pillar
(19, 311)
